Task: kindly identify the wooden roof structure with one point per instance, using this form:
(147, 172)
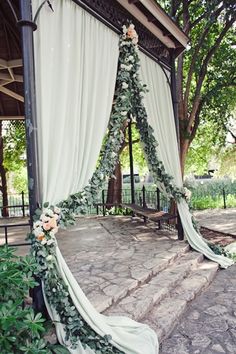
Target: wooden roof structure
(159, 37)
(11, 70)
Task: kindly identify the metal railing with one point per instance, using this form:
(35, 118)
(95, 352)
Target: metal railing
(10, 226)
(221, 198)
(18, 205)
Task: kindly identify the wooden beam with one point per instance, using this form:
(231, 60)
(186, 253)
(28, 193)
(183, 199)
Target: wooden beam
(18, 78)
(13, 77)
(5, 76)
(11, 94)
(139, 15)
(3, 63)
(16, 63)
(12, 117)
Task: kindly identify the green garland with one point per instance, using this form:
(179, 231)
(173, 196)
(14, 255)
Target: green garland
(128, 100)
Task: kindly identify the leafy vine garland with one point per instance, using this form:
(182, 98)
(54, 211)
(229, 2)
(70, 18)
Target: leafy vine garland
(129, 92)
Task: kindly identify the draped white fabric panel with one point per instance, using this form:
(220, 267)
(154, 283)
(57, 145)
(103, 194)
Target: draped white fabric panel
(158, 103)
(76, 60)
(127, 335)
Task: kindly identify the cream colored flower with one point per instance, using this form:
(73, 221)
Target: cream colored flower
(125, 85)
(49, 258)
(37, 224)
(38, 231)
(50, 242)
(57, 210)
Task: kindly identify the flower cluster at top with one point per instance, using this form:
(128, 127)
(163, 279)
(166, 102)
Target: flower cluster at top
(129, 33)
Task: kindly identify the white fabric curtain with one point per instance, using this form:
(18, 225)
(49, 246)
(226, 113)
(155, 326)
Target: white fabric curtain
(158, 103)
(127, 335)
(76, 60)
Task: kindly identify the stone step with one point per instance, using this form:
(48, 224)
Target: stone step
(139, 302)
(139, 275)
(164, 316)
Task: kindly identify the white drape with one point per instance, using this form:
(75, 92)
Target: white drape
(158, 103)
(127, 335)
(76, 60)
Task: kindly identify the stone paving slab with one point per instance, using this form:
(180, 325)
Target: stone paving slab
(137, 304)
(209, 324)
(163, 317)
(110, 256)
(223, 220)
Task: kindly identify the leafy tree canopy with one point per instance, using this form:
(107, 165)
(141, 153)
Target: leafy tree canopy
(14, 146)
(206, 71)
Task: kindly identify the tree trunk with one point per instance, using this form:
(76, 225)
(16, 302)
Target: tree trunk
(3, 187)
(184, 146)
(114, 193)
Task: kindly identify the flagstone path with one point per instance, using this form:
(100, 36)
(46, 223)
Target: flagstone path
(209, 324)
(222, 220)
(110, 256)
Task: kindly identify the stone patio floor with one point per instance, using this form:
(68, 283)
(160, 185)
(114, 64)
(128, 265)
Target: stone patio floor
(112, 255)
(222, 220)
(209, 324)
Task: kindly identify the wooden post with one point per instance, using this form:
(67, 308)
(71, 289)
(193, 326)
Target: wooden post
(28, 26)
(103, 203)
(131, 162)
(224, 198)
(175, 108)
(23, 203)
(158, 199)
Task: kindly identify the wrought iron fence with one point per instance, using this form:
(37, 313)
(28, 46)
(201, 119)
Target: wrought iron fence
(18, 205)
(221, 198)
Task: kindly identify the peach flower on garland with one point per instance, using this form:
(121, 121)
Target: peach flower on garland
(132, 34)
(46, 226)
(41, 237)
(53, 222)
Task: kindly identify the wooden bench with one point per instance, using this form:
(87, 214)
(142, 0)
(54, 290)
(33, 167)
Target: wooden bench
(150, 214)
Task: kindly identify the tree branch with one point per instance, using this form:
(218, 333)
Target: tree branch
(233, 136)
(201, 17)
(203, 71)
(194, 58)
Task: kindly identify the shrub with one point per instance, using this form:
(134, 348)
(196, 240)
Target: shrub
(21, 330)
(209, 194)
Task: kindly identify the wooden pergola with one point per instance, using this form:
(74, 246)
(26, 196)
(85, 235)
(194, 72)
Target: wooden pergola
(159, 37)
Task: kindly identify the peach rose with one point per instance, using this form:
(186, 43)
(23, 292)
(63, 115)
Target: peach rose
(131, 33)
(52, 223)
(46, 226)
(41, 237)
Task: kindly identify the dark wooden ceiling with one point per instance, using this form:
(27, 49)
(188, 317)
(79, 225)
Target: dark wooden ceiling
(10, 49)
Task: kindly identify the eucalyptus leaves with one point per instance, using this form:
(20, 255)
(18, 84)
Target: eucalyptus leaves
(44, 245)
